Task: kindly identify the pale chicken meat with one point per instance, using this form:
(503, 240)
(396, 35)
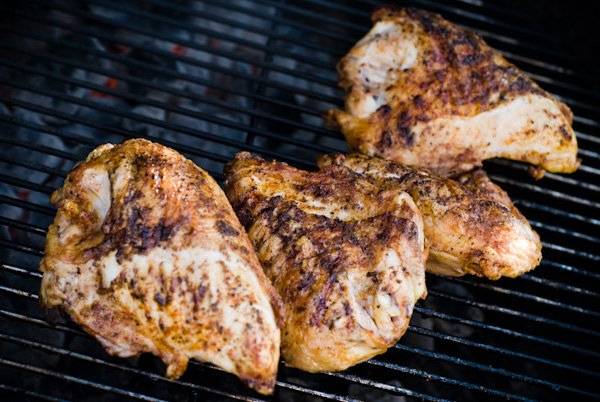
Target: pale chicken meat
(426, 93)
(470, 224)
(146, 254)
(347, 258)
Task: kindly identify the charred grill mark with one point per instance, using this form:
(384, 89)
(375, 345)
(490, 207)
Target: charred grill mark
(316, 189)
(406, 135)
(347, 308)
(198, 296)
(461, 76)
(225, 228)
(306, 281)
(384, 110)
(160, 299)
(403, 128)
(386, 141)
(565, 133)
(418, 101)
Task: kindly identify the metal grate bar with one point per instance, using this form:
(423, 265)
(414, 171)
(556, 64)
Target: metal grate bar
(558, 212)
(165, 89)
(156, 377)
(492, 348)
(179, 110)
(22, 391)
(338, 37)
(422, 310)
(486, 306)
(189, 151)
(328, 132)
(395, 367)
(257, 30)
(412, 328)
(77, 380)
(181, 129)
(358, 379)
(299, 90)
(551, 176)
(504, 310)
(563, 231)
(471, 364)
(449, 317)
(496, 39)
(527, 296)
(126, 95)
(184, 59)
(558, 285)
(161, 88)
(196, 46)
(157, 122)
(207, 15)
(570, 268)
(241, 145)
(568, 250)
(446, 380)
(546, 191)
(50, 212)
(382, 386)
(330, 83)
(150, 68)
(420, 3)
(515, 339)
(221, 35)
(64, 328)
(374, 362)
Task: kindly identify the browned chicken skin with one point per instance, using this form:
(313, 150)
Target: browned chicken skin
(426, 93)
(147, 255)
(471, 226)
(346, 257)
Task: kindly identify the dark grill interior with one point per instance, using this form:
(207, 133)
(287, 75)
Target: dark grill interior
(212, 79)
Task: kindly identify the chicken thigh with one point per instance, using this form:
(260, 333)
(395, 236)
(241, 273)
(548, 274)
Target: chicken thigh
(146, 254)
(471, 226)
(426, 93)
(347, 258)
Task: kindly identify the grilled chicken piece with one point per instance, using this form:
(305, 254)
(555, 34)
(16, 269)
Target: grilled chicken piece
(425, 93)
(471, 226)
(347, 259)
(147, 255)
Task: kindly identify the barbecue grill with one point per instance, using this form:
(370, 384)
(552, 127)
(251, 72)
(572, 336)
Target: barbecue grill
(211, 79)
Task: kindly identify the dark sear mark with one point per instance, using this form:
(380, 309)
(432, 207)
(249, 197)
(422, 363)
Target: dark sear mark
(160, 299)
(226, 229)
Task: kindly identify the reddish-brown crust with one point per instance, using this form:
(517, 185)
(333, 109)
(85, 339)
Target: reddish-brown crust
(169, 203)
(308, 256)
(470, 219)
(456, 75)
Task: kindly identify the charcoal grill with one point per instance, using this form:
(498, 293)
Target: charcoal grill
(210, 79)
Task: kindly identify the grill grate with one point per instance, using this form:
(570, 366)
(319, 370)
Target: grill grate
(212, 79)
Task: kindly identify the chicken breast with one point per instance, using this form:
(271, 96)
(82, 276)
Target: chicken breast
(426, 93)
(471, 226)
(146, 254)
(347, 258)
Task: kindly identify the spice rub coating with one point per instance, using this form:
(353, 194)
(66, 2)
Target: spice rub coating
(146, 254)
(427, 93)
(346, 258)
(470, 224)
